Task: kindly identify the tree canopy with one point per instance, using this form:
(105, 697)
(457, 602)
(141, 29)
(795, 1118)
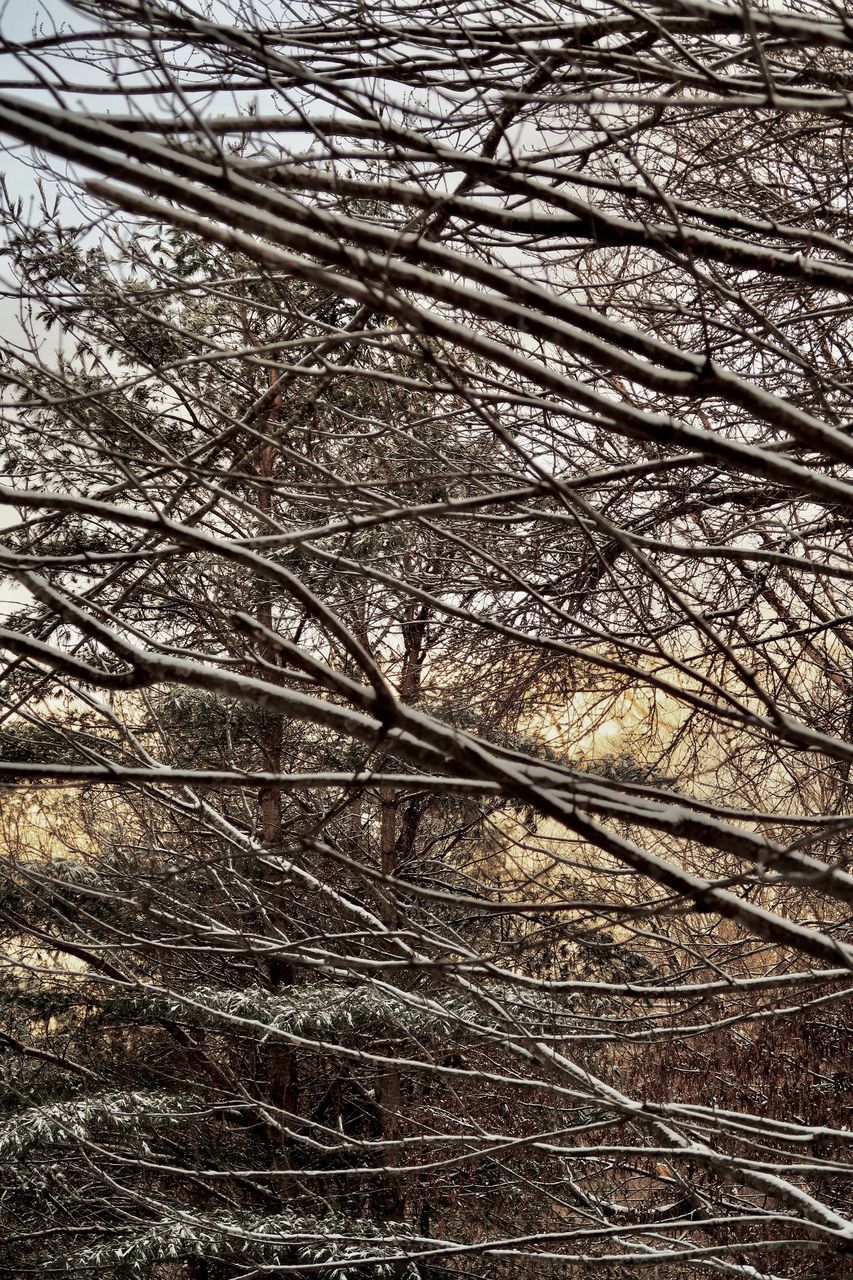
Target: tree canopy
(427, 719)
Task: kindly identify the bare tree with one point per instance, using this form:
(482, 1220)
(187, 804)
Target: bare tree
(428, 489)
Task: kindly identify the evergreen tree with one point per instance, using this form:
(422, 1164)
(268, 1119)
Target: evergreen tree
(245, 1045)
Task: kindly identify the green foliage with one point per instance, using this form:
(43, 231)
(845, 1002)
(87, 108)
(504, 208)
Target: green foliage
(89, 1118)
(354, 1249)
(337, 1014)
(25, 743)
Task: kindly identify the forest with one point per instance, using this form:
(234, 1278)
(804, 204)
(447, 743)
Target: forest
(426, 709)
